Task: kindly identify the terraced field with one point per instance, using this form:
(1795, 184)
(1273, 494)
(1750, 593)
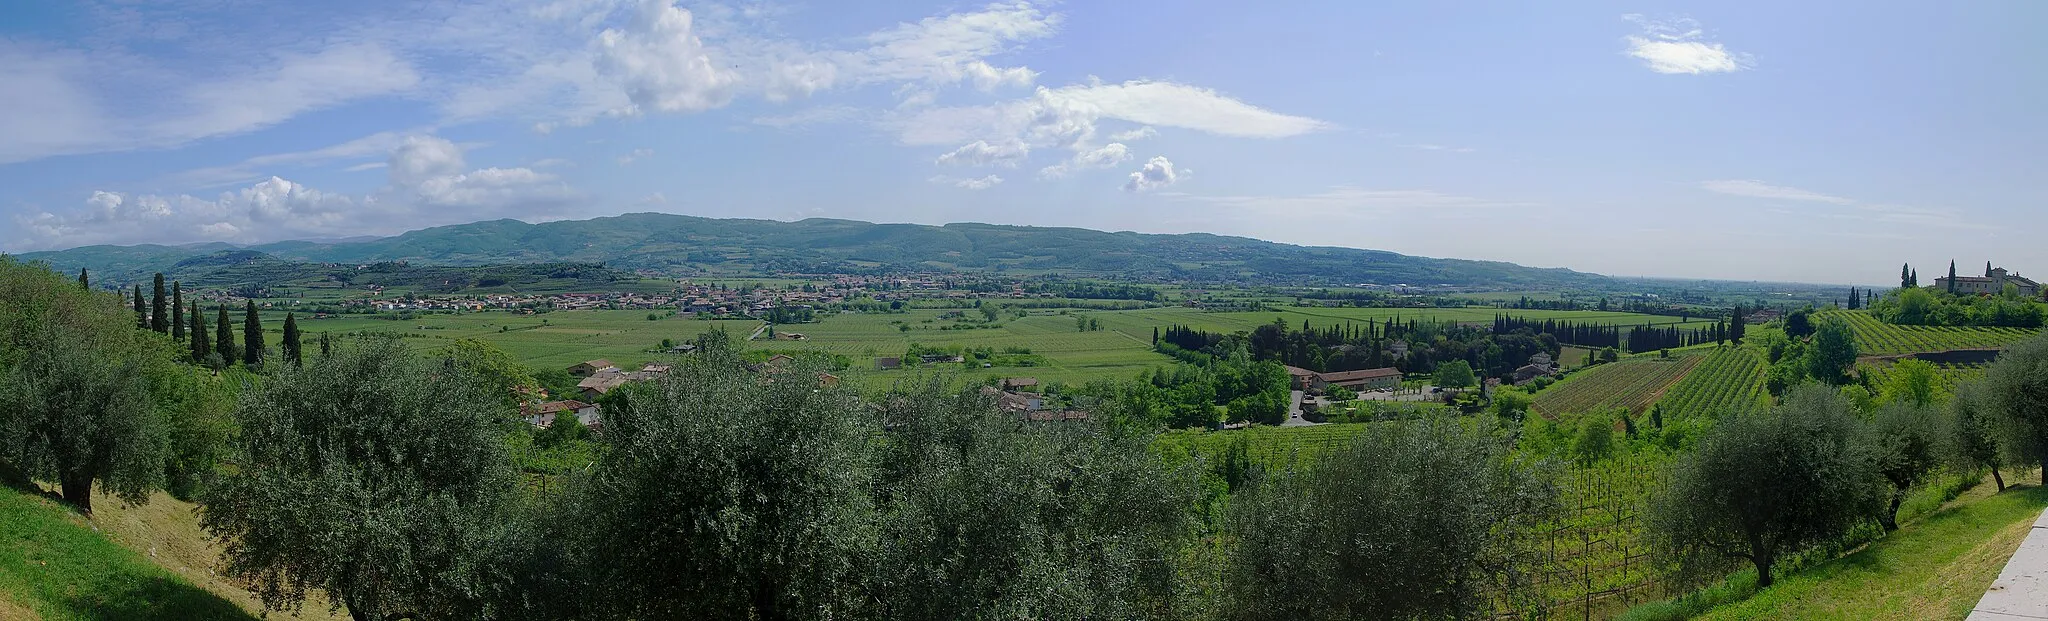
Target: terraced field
(1727, 379)
(1632, 384)
(1877, 338)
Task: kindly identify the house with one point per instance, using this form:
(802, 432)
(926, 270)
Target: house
(1302, 377)
(588, 368)
(1764, 316)
(883, 364)
(1014, 384)
(1540, 365)
(543, 414)
(1362, 379)
(604, 382)
(828, 380)
(655, 369)
(1993, 282)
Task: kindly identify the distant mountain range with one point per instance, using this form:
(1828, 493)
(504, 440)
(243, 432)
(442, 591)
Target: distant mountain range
(685, 244)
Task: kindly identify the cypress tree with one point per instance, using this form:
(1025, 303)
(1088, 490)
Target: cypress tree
(141, 312)
(328, 348)
(200, 345)
(1987, 269)
(1905, 275)
(252, 337)
(290, 345)
(177, 312)
(159, 317)
(84, 282)
(224, 336)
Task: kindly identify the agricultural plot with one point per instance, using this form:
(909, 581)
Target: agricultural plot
(1632, 384)
(1877, 338)
(1269, 446)
(1727, 379)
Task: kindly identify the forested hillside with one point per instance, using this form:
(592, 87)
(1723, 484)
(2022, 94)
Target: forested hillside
(680, 243)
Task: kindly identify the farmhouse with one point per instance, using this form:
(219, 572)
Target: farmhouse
(1302, 377)
(1993, 282)
(1362, 379)
(591, 367)
(543, 414)
(1014, 384)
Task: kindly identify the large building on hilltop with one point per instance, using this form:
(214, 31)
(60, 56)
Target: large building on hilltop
(1992, 282)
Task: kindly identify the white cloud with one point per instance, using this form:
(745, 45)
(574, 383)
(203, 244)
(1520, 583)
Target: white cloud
(981, 153)
(1157, 173)
(428, 186)
(66, 101)
(661, 64)
(1104, 156)
(980, 183)
(1675, 47)
(366, 166)
(1066, 116)
(1134, 135)
(634, 155)
(1757, 189)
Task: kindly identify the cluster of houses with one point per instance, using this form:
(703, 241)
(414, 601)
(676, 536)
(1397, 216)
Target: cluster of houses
(595, 379)
(1019, 396)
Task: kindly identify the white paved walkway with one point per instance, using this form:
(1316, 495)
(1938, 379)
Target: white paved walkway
(2021, 591)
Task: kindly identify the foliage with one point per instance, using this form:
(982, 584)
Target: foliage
(253, 354)
(1902, 441)
(1926, 307)
(373, 475)
(1915, 382)
(2017, 390)
(508, 379)
(1833, 351)
(1455, 374)
(75, 403)
(1969, 439)
(1763, 485)
(1595, 440)
(1415, 519)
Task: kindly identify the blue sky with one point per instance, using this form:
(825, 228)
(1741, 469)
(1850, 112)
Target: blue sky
(1810, 141)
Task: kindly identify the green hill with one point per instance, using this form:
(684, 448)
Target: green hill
(684, 243)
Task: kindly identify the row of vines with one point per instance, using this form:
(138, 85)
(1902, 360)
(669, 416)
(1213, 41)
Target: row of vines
(1631, 384)
(1727, 379)
(1877, 338)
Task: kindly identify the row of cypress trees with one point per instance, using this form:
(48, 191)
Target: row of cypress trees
(169, 317)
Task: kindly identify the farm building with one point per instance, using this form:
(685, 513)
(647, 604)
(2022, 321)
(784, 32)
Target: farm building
(543, 414)
(1015, 384)
(1362, 379)
(1993, 282)
(588, 368)
(1302, 377)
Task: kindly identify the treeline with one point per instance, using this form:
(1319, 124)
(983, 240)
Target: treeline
(1929, 306)
(1412, 346)
(1637, 339)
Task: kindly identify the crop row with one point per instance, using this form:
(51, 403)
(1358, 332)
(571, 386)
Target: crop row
(1630, 384)
(1877, 338)
(1729, 378)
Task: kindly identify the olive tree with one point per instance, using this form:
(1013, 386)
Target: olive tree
(1968, 439)
(985, 516)
(1415, 519)
(1902, 441)
(2016, 393)
(374, 475)
(729, 494)
(75, 402)
(1764, 484)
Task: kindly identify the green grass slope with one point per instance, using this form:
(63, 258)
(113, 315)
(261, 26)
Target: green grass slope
(54, 565)
(1936, 568)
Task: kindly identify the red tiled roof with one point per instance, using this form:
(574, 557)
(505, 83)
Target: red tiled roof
(1361, 374)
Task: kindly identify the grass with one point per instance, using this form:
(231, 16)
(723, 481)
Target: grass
(54, 565)
(1934, 567)
(149, 561)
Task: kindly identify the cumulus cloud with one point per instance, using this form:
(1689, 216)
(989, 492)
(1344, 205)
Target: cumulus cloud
(1676, 47)
(659, 61)
(428, 185)
(979, 183)
(1157, 173)
(981, 153)
(1104, 156)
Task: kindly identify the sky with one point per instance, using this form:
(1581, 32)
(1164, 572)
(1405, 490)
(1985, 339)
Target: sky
(1823, 142)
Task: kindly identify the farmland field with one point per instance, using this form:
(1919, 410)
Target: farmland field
(1632, 383)
(1728, 378)
(1121, 348)
(1877, 338)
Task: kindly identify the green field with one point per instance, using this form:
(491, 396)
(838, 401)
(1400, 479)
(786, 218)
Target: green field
(1120, 349)
(1631, 384)
(1727, 379)
(1877, 338)
(55, 565)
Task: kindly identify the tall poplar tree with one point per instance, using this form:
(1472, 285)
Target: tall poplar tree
(252, 336)
(159, 316)
(177, 312)
(200, 345)
(224, 336)
(290, 345)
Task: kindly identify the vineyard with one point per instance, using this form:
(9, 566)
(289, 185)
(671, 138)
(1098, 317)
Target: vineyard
(1729, 379)
(1595, 561)
(1270, 446)
(1631, 384)
(1877, 338)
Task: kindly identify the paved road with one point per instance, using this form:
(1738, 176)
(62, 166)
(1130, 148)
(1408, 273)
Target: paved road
(1294, 418)
(2021, 591)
